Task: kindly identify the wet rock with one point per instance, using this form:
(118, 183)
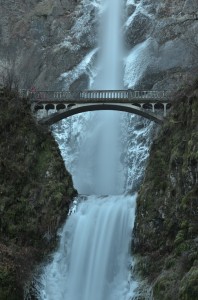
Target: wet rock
(138, 30)
(130, 9)
(173, 26)
(82, 83)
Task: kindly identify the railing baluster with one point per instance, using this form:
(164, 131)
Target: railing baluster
(165, 109)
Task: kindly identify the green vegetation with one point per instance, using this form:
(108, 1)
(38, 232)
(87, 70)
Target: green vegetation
(167, 206)
(35, 193)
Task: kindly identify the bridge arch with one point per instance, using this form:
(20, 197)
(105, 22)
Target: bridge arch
(79, 108)
(38, 107)
(60, 106)
(49, 106)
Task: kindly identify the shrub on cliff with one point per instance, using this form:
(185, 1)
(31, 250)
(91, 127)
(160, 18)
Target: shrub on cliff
(166, 223)
(35, 193)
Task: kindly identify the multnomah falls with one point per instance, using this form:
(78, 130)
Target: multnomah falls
(98, 150)
(93, 261)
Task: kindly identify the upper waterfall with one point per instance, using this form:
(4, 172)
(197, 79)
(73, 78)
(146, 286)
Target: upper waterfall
(109, 170)
(111, 47)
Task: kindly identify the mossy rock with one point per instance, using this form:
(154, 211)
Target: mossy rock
(166, 286)
(35, 191)
(180, 237)
(170, 262)
(165, 230)
(189, 285)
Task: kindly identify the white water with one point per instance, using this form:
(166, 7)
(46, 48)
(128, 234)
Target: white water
(111, 52)
(93, 257)
(93, 260)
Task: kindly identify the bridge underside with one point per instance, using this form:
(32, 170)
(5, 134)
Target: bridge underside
(55, 117)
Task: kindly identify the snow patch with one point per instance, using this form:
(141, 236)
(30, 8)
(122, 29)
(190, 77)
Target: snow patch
(85, 66)
(139, 59)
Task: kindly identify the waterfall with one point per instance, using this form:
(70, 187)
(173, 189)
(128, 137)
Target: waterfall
(111, 53)
(93, 260)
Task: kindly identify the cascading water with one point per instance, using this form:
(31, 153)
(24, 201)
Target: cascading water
(109, 76)
(93, 259)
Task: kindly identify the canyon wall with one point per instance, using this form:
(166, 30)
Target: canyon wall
(40, 40)
(165, 234)
(35, 194)
(163, 36)
(53, 44)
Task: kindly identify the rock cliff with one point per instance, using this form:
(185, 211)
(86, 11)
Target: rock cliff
(43, 39)
(163, 36)
(35, 194)
(165, 233)
(57, 42)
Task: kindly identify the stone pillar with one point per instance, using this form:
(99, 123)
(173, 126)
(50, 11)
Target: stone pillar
(165, 109)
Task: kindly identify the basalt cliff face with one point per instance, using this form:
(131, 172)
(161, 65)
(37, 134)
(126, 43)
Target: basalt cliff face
(163, 36)
(40, 40)
(53, 44)
(35, 194)
(165, 233)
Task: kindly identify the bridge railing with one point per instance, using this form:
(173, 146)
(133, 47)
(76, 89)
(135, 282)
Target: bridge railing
(95, 95)
(124, 94)
(51, 95)
(149, 94)
(104, 94)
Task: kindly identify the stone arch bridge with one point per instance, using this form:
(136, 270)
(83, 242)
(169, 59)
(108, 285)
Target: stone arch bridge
(52, 106)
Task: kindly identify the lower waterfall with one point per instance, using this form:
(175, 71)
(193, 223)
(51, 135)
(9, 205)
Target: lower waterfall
(93, 259)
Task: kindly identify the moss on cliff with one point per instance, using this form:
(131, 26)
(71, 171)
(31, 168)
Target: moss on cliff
(165, 233)
(35, 193)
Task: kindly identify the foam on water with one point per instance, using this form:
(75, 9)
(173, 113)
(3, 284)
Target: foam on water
(93, 259)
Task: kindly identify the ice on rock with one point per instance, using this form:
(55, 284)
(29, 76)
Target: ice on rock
(85, 66)
(138, 60)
